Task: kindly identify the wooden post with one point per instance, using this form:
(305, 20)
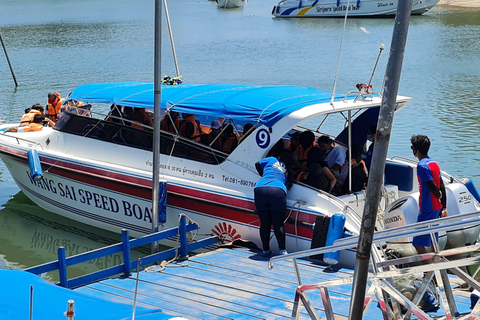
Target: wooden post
(8, 61)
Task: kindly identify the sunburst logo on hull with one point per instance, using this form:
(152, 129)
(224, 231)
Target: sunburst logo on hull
(225, 232)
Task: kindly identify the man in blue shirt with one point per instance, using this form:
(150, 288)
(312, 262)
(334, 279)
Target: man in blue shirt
(432, 201)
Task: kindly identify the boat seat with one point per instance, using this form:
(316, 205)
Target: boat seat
(399, 174)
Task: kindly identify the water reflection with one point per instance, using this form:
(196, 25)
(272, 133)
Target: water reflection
(30, 236)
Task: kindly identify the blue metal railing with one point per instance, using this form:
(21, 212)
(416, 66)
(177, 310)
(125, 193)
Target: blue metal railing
(125, 246)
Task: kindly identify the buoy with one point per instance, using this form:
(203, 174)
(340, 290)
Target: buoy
(36, 172)
(335, 232)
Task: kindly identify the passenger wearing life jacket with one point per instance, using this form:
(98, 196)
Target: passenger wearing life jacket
(171, 121)
(53, 106)
(36, 125)
(212, 139)
(229, 139)
(138, 117)
(300, 154)
(72, 103)
(27, 118)
(190, 128)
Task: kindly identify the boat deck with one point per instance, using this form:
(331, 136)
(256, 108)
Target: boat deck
(234, 284)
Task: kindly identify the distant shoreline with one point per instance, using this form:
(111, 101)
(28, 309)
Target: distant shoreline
(461, 3)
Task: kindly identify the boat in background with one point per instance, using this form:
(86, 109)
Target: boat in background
(338, 8)
(97, 168)
(228, 4)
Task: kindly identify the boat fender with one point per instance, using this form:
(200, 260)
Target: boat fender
(471, 187)
(335, 232)
(162, 202)
(36, 172)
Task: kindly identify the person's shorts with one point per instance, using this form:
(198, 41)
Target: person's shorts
(425, 240)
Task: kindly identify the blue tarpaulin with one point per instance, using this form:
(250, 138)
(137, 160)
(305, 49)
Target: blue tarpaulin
(50, 301)
(252, 103)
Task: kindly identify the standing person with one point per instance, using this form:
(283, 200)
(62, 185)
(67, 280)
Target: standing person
(271, 198)
(432, 201)
(53, 106)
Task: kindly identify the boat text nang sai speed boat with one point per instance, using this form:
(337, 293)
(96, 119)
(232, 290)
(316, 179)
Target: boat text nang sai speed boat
(98, 169)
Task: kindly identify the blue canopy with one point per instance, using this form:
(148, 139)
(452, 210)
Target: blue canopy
(252, 103)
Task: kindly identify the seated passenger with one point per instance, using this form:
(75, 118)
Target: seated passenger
(75, 107)
(277, 149)
(294, 140)
(212, 139)
(171, 122)
(334, 155)
(115, 114)
(318, 174)
(246, 130)
(229, 139)
(357, 172)
(36, 125)
(27, 118)
(138, 117)
(307, 142)
(189, 127)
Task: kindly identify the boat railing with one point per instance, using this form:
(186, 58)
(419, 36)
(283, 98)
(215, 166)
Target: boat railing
(384, 271)
(124, 247)
(361, 94)
(19, 140)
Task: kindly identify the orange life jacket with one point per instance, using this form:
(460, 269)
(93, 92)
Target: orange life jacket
(31, 127)
(27, 118)
(54, 109)
(196, 129)
(229, 144)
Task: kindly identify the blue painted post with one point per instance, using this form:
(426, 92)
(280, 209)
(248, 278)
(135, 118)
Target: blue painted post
(183, 236)
(62, 267)
(127, 265)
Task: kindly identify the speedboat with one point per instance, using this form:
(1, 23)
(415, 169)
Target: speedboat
(96, 167)
(338, 8)
(227, 4)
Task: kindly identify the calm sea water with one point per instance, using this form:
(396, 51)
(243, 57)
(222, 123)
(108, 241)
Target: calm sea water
(58, 45)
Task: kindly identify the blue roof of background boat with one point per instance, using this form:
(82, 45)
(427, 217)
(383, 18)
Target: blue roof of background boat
(265, 104)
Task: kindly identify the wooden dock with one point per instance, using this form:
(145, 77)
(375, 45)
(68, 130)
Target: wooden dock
(233, 284)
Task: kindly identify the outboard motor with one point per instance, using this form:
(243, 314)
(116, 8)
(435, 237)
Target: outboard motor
(404, 211)
(461, 201)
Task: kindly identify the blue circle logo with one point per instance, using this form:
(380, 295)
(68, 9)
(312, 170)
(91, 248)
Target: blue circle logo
(263, 138)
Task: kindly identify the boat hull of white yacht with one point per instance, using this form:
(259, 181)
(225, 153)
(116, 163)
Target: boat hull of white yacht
(228, 4)
(99, 172)
(354, 8)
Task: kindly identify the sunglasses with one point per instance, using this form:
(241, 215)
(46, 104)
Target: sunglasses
(413, 149)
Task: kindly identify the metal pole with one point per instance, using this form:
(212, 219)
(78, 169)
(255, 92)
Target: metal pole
(382, 137)
(156, 119)
(8, 61)
(31, 302)
(70, 310)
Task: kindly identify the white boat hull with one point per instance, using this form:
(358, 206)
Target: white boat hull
(228, 4)
(354, 8)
